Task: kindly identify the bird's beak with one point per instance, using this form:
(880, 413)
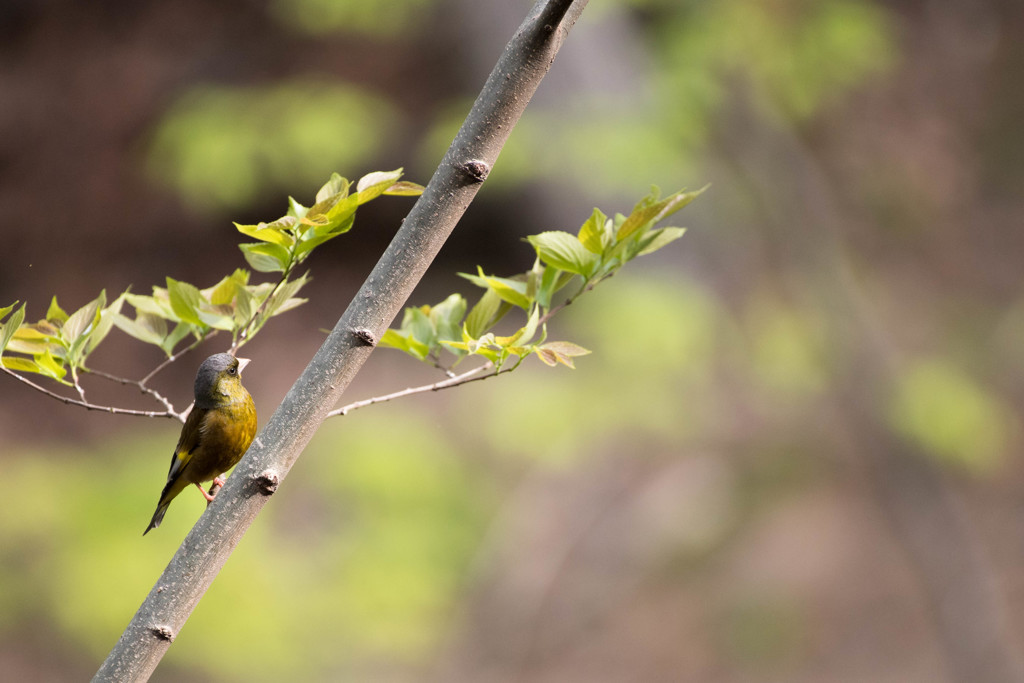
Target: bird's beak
(242, 362)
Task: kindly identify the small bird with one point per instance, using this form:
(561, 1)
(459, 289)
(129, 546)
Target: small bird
(216, 434)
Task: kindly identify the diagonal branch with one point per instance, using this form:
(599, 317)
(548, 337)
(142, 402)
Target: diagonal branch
(465, 166)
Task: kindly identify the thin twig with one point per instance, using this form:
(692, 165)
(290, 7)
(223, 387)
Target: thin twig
(243, 336)
(454, 381)
(78, 386)
(586, 287)
(90, 406)
(137, 383)
(170, 359)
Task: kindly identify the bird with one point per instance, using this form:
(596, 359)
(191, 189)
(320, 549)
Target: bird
(217, 432)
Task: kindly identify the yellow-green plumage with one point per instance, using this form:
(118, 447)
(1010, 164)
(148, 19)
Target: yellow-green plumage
(216, 434)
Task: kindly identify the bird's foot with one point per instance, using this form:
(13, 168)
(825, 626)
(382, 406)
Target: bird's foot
(207, 496)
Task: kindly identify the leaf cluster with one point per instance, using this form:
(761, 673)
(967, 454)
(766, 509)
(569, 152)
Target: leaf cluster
(61, 342)
(566, 266)
(58, 340)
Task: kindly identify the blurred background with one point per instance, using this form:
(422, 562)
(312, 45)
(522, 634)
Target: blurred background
(793, 456)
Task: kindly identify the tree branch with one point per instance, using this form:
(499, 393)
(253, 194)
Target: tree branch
(90, 406)
(465, 166)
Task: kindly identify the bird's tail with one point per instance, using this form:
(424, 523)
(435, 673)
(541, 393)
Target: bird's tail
(158, 517)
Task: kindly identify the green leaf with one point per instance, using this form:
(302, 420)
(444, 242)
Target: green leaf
(8, 329)
(243, 305)
(486, 312)
(649, 211)
(105, 324)
(562, 250)
(151, 304)
(656, 239)
(512, 291)
(296, 210)
(373, 185)
(275, 233)
(556, 352)
(266, 257)
(180, 331)
(523, 335)
(186, 300)
(330, 218)
(146, 327)
(32, 339)
(225, 291)
(405, 188)
(594, 234)
(333, 188)
(83, 320)
(50, 366)
(417, 323)
(307, 245)
(284, 294)
(19, 364)
(446, 317)
(56, 314)
(404, 342)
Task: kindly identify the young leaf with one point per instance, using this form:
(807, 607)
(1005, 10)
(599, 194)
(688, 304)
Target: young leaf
(484, 314)
(104, 326)
(649, 211)
(186, 300)
(296, 210)
(147, 328)
(446, 317)
(285, 294)
(523, 335)
(55, 314)
(82, 321)
(593, 234)
(266, 257)
(405, 188)
(334, 187)
(225, 291)
(31, 339)
(243, 305)
(512, 291)
(49, 366)
(373, 185)
(564, 251)
(275, 233)
(159, 304)
(560, 352)
(392, 339)
(8, 329)
(19, 364)
(179, 332)
(656, 239)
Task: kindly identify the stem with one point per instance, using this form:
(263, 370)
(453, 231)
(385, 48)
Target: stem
(504, 97)
(170, 359)
(473, 375)
(243, 336)
(142, 387)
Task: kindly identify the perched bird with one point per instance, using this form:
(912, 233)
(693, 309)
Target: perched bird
(216, 434)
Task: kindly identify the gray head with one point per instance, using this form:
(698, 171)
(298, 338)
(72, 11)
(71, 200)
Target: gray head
(218, 367)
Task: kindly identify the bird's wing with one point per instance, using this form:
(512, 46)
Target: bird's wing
(188, 442)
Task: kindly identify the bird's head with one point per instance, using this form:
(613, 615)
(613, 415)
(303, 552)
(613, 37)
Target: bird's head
(219, 380)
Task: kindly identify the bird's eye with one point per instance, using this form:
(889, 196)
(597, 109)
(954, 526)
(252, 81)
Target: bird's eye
(232, 371)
